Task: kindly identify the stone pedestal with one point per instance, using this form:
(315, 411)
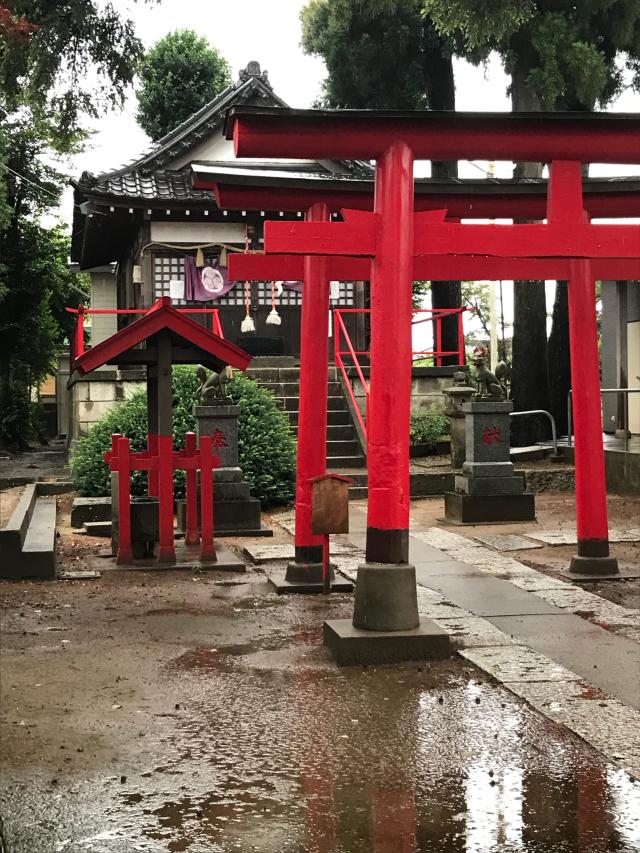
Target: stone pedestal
(488, 490)
(235, 512)
(456, 395)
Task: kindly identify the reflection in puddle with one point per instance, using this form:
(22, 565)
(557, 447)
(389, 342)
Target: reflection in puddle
(383, 761)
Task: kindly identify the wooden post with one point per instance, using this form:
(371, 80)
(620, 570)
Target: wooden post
(121, 448)
(166, 550)
(191, 536)
(207, 545)
(152, 426)
(312, 418)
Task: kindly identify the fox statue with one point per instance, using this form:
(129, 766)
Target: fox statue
(488, 384)
(214, 386)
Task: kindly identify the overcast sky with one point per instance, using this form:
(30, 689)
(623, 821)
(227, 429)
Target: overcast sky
(269, 32)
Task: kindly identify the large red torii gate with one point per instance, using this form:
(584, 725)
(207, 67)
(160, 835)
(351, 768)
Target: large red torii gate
(238, 190)
(388, 235)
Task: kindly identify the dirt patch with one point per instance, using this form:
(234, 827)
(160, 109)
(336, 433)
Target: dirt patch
(9, 499)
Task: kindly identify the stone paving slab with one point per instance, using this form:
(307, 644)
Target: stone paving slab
(569, 537)
(537, 582)
(608, 660)
(260, 553)
(507, 542)
(471, 631)
(513, 663)
(286, 520)
(439, 538)
(489, 596)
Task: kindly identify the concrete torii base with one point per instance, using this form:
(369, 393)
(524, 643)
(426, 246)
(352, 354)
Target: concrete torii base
(386, 627)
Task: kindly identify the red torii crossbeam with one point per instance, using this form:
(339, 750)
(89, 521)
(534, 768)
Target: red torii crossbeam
(394, 139)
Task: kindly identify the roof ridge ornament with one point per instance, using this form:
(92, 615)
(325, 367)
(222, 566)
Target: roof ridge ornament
(253, 70)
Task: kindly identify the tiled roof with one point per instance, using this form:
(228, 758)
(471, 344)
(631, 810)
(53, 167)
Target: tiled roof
(159, 185)
(148, 177)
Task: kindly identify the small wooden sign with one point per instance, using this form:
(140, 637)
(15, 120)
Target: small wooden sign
(330, 504)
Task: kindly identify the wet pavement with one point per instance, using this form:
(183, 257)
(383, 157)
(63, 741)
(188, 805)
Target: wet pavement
(177, 712)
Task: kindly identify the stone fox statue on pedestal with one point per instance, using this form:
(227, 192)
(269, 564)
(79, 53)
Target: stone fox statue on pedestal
(488, 384)
(214, 386)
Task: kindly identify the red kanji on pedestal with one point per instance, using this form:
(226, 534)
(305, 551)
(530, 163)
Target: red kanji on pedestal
(492, 435)
(218, 439)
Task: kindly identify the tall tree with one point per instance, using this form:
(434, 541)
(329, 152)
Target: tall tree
(386, 54)
(179, 75)
(561, 55)
(59, 62)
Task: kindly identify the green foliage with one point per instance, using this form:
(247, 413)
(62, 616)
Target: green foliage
(75, 57)
(382, 54)
(569, 55)
(427, 428)
(35, 285)
(265, 442)
(179, 75)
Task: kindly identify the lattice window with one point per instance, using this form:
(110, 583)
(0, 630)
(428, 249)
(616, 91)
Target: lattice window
(168, 267)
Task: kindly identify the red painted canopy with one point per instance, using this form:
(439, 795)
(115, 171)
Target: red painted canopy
(192, 342)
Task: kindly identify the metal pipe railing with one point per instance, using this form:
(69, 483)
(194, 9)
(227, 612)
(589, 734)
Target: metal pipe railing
(625, 409)
(554, 434)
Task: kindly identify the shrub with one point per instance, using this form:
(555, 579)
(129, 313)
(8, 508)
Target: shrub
(427, 428)
(266, 445)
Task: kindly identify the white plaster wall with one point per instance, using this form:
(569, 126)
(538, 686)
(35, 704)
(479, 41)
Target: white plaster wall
(197, 232)
(633, 357)
(103, 295)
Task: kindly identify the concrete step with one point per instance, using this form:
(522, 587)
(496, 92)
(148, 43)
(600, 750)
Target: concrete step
(339, 432)
(349, 447)
(38, 558)
(345, 462)
(292, 389)
(358, 493)
(12, 536)
(335, 418)
(334, 404)
(97, 528)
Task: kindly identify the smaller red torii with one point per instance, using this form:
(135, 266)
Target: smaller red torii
(168, 337)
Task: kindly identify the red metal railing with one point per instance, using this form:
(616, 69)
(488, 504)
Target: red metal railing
(77, 347)
(341, 335)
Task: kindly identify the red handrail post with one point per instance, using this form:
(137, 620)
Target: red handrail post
(79, 332)
(207, 463)
(120, 447)
(438, 353)
(191, 535)
(166, 550)
(461, 353)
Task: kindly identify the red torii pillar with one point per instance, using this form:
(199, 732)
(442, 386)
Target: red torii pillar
(304, 574)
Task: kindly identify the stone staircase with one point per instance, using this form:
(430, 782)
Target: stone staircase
(27, 542)
(282, 378)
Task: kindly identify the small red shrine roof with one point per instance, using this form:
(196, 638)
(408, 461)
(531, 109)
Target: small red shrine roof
(192, 343)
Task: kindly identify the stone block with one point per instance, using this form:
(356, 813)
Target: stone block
(227, 475)
(488, 469)
(488, 509)
(92, 411)
(80, 391)
(102, 392)
(90, 509)
(354, 646)
(232, 492)
(490, 485)
(221, 422)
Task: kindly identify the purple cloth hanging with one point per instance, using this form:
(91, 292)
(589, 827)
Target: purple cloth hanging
(207, 283)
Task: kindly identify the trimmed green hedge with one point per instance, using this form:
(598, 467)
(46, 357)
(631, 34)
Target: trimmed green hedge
(427, 428)
(266, 444)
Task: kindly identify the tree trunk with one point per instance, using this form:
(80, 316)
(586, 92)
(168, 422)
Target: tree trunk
(529, 375)
(559, 360)
(444, 294)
